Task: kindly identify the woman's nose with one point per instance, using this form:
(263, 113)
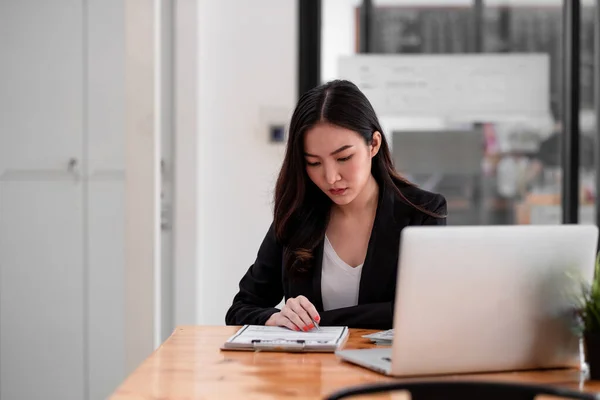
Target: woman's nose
(331, 175)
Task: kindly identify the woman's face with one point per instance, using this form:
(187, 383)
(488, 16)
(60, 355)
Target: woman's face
(338, 160)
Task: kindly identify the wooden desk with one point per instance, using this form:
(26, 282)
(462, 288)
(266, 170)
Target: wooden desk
(189, 365)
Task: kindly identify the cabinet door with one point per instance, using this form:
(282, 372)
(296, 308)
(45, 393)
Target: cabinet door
(106, 287)
(106, 88)
(41, 87)
(41, 294)
(106, 195)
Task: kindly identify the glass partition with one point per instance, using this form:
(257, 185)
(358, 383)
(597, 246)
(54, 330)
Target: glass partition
(498, 169)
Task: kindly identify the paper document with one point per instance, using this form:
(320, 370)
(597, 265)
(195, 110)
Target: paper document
(274, 338)
(383, 337)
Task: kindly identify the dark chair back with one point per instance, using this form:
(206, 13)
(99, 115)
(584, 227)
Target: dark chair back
(466, 390)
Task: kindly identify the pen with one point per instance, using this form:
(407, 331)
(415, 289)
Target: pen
(299, 341)
(315, 323)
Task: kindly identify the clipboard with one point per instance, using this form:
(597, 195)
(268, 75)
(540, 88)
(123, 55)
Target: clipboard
(279, 345)
(278, 339)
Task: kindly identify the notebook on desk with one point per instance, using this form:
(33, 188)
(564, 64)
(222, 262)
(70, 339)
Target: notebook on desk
(274, 338)
(382, 337)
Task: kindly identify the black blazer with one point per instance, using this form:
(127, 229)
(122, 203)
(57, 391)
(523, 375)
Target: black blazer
(266, 282)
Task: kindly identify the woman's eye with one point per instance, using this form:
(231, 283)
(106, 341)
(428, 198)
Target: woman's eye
(313, 164)
(345, 158)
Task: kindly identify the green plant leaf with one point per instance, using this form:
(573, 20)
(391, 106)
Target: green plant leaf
(587, 306)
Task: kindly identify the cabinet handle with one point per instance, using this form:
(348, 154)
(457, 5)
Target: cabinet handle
(72, 164)
(71, 172)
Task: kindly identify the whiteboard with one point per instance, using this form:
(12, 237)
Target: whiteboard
(471, 87)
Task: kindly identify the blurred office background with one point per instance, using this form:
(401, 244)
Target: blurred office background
(140, 141)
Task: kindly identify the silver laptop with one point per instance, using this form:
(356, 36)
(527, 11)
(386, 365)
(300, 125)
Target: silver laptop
(485, 298)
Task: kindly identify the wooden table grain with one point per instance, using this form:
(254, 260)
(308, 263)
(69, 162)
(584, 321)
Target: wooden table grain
(190, 365)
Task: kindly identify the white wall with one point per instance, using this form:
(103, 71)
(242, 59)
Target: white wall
(247, 65)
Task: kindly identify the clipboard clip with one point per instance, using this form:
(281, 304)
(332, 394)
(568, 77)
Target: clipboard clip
(278, 345)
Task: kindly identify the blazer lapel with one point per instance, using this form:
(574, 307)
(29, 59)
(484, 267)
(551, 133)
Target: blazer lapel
(381, 261)
(316, 281)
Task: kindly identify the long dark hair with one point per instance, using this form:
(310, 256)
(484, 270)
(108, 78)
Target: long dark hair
(301, 211)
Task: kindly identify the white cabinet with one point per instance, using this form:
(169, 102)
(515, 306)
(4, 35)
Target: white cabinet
(106, 314)
(41, 292)
(41, 86)
(105, 88)
(105, 196)
(61, 198)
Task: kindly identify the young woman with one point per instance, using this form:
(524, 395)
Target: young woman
(332, 249)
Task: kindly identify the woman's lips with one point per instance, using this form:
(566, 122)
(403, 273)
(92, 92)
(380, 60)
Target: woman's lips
(337, 192)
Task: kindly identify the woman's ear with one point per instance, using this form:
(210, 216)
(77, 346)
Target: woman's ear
(375, 143)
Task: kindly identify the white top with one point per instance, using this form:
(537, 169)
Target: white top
(339, 281)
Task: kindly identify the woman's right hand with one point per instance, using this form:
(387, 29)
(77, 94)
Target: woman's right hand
(295, 315)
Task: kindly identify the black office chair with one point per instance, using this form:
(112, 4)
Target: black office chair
(450, 390)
